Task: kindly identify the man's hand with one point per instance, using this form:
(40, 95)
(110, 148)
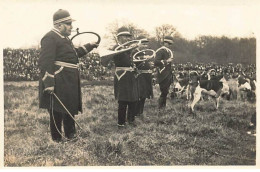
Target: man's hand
(139, 43)
(133, 45)
(49, 90)
(151, 64)
(169, 60)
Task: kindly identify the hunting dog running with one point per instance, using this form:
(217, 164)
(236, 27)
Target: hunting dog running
(213, 87)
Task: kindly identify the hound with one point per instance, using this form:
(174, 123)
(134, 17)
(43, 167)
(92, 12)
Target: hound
(213, 88)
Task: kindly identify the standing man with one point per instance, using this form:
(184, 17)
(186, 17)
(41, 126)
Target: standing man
(163, 61)
(59, 74)
(144, 78)
(125, 83)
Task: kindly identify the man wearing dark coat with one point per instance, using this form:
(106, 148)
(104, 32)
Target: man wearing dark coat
(144, 77)
(163, 61)
(59, 74)
(125, 83)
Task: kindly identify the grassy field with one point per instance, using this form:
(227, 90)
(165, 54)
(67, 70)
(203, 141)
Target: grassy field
(171, 138)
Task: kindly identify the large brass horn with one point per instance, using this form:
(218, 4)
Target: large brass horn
(109, 54)
(79, 33)
(145, 57)
(126, 45)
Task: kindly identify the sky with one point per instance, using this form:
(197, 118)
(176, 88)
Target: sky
(24, 22)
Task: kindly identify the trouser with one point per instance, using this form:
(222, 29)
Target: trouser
(123, 107)
(56, 119)
(164, 88)
(140, 106)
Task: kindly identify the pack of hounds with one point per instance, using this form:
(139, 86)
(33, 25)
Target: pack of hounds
(231, 83)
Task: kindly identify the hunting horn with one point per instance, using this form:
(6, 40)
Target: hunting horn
(127, 44)
(144, 57)
(79, 33)
(109, 54)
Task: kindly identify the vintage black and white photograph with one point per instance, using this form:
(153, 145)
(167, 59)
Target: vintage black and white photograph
(117, 83)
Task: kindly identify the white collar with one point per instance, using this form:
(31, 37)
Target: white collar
(57, 32)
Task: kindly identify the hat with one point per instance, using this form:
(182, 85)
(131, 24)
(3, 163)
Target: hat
(123, 31)
(168, 39)
(143, 39)
(62, 16)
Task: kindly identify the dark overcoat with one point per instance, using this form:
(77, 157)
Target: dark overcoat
(66, 80)
(125, 83)
(144, 78)
(164, 70)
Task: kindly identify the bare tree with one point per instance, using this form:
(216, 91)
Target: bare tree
(166, 30)
(112, 30)
(134, 30)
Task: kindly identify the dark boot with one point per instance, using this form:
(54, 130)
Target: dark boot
(131, 112)
(55, 125)
(69, 126)
(141, 106)
(122, 106)
(162, 102)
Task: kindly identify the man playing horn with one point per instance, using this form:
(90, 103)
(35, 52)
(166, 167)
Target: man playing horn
(125, 83)
(59, 75)
(142, 58)
(163, 61)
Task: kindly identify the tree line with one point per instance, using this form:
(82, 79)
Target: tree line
(203, 49)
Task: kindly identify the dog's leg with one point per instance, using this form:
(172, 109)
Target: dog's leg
(196, 97)
(188, 92)
(217, 102)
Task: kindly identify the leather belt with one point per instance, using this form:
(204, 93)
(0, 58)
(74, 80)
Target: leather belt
(130, 69)
(145, 71)
(65, 64)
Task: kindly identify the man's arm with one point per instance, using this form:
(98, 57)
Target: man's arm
(85, 49)
(160, 60)
(46, 61)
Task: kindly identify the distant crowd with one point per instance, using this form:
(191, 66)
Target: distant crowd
(91, 69)
(231, 70)
(22, 65)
